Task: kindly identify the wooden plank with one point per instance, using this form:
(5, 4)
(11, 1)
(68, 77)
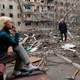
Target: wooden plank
(34, 59)
(35, 77)
(24, 40)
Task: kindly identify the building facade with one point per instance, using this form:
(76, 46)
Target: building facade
(10, 8)
(37, 13)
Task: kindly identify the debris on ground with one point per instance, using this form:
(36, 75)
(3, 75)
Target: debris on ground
(44, 45)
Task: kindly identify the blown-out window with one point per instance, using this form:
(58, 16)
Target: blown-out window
(2, 14)
(11, 15)
(19, 23)
(10, 6)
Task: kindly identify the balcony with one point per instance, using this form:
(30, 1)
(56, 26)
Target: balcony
(33, 3)
(28, 2)
(37, 19)
(28, 11)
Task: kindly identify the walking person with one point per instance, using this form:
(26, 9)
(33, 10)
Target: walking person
(63, 29)
(10, 49)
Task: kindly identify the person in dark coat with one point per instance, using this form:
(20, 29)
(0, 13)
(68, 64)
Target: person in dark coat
(63, 29)
(10, 49)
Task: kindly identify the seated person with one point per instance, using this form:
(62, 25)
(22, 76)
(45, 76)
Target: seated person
(10, 49)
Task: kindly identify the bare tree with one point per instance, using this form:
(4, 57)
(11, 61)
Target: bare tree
(22, 14)
(68, 10)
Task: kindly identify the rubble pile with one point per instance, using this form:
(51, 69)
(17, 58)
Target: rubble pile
(48, 42)
(46, 49)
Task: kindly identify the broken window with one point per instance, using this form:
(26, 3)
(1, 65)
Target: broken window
(27, 7)
(10, 6)
(19, 23)
(28, 15)
(27, 23)
(2, 14)
(38, 7)
(3, 6)
(18, 15)
(11, 15)
(36, 23)
(49, 1)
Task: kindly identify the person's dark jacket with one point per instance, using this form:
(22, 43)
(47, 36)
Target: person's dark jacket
(6, 40)
(62, 27)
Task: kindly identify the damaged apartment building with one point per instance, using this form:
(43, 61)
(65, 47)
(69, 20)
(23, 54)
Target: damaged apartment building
(35, 13)
(38, 13)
